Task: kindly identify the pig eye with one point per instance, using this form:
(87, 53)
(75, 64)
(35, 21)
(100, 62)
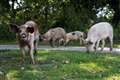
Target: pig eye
(20, 30)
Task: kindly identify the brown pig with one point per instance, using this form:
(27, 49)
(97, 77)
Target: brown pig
(54, 35)
(27, 35)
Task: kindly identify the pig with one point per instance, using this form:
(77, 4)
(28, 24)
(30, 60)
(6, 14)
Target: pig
(99, 32)
(54, 35)
(27, 35)
(75, 35)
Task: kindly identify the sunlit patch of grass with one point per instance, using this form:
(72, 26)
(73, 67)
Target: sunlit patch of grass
(11, 75)
(110, 58)
(32, 75)
(41, 58)
(43, 51)
(92, 67)
(114, 77)
(117, 45)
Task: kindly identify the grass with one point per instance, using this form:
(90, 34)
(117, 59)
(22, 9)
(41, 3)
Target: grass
(5, 42)
(60, 65)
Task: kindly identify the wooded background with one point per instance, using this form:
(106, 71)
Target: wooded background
(69, 14)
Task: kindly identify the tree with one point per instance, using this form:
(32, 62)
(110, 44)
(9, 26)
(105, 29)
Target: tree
(69, 14)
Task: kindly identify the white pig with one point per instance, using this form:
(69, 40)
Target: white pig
(99, 32)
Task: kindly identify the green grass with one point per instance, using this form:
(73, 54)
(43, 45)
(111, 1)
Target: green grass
(5, 42)
(60, 65)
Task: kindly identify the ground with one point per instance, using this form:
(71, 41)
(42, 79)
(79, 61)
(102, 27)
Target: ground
(68, 48)
(60, 65)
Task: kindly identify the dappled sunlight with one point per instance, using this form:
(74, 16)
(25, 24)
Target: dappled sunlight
(34, 71)
(111, 58)
(117, 45)
(92, 67)
(11, 75)
(113, 77)
(41, 58)
(43, 51)
(70, 67)
(33, 74)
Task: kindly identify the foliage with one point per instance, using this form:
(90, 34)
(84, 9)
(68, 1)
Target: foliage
(69, 14)
(5, 33)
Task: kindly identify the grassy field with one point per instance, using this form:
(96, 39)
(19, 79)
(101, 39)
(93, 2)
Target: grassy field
(60, 65)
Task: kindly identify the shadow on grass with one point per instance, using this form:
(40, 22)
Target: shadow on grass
(60, 65)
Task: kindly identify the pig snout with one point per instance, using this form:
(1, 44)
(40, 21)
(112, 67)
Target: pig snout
(42, 38)
(23, 35)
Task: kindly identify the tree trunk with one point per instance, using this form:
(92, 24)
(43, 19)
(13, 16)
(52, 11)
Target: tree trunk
(13, 12)
(115, 4)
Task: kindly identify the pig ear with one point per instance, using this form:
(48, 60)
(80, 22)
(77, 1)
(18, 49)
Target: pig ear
(73, 33)
(85, 34)
(14, 28)
(30, 29)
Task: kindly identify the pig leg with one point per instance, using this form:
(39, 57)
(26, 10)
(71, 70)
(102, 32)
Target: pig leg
(62, 42)
(97, 45)
(83, 41)
(52, 42)
(58, 43)
(111, 43)
(31, 48)
(103, 44)
(35, 47)
(80, 41)
(66, 42)
(21, 55)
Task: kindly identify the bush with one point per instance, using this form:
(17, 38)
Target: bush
(5, 33)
